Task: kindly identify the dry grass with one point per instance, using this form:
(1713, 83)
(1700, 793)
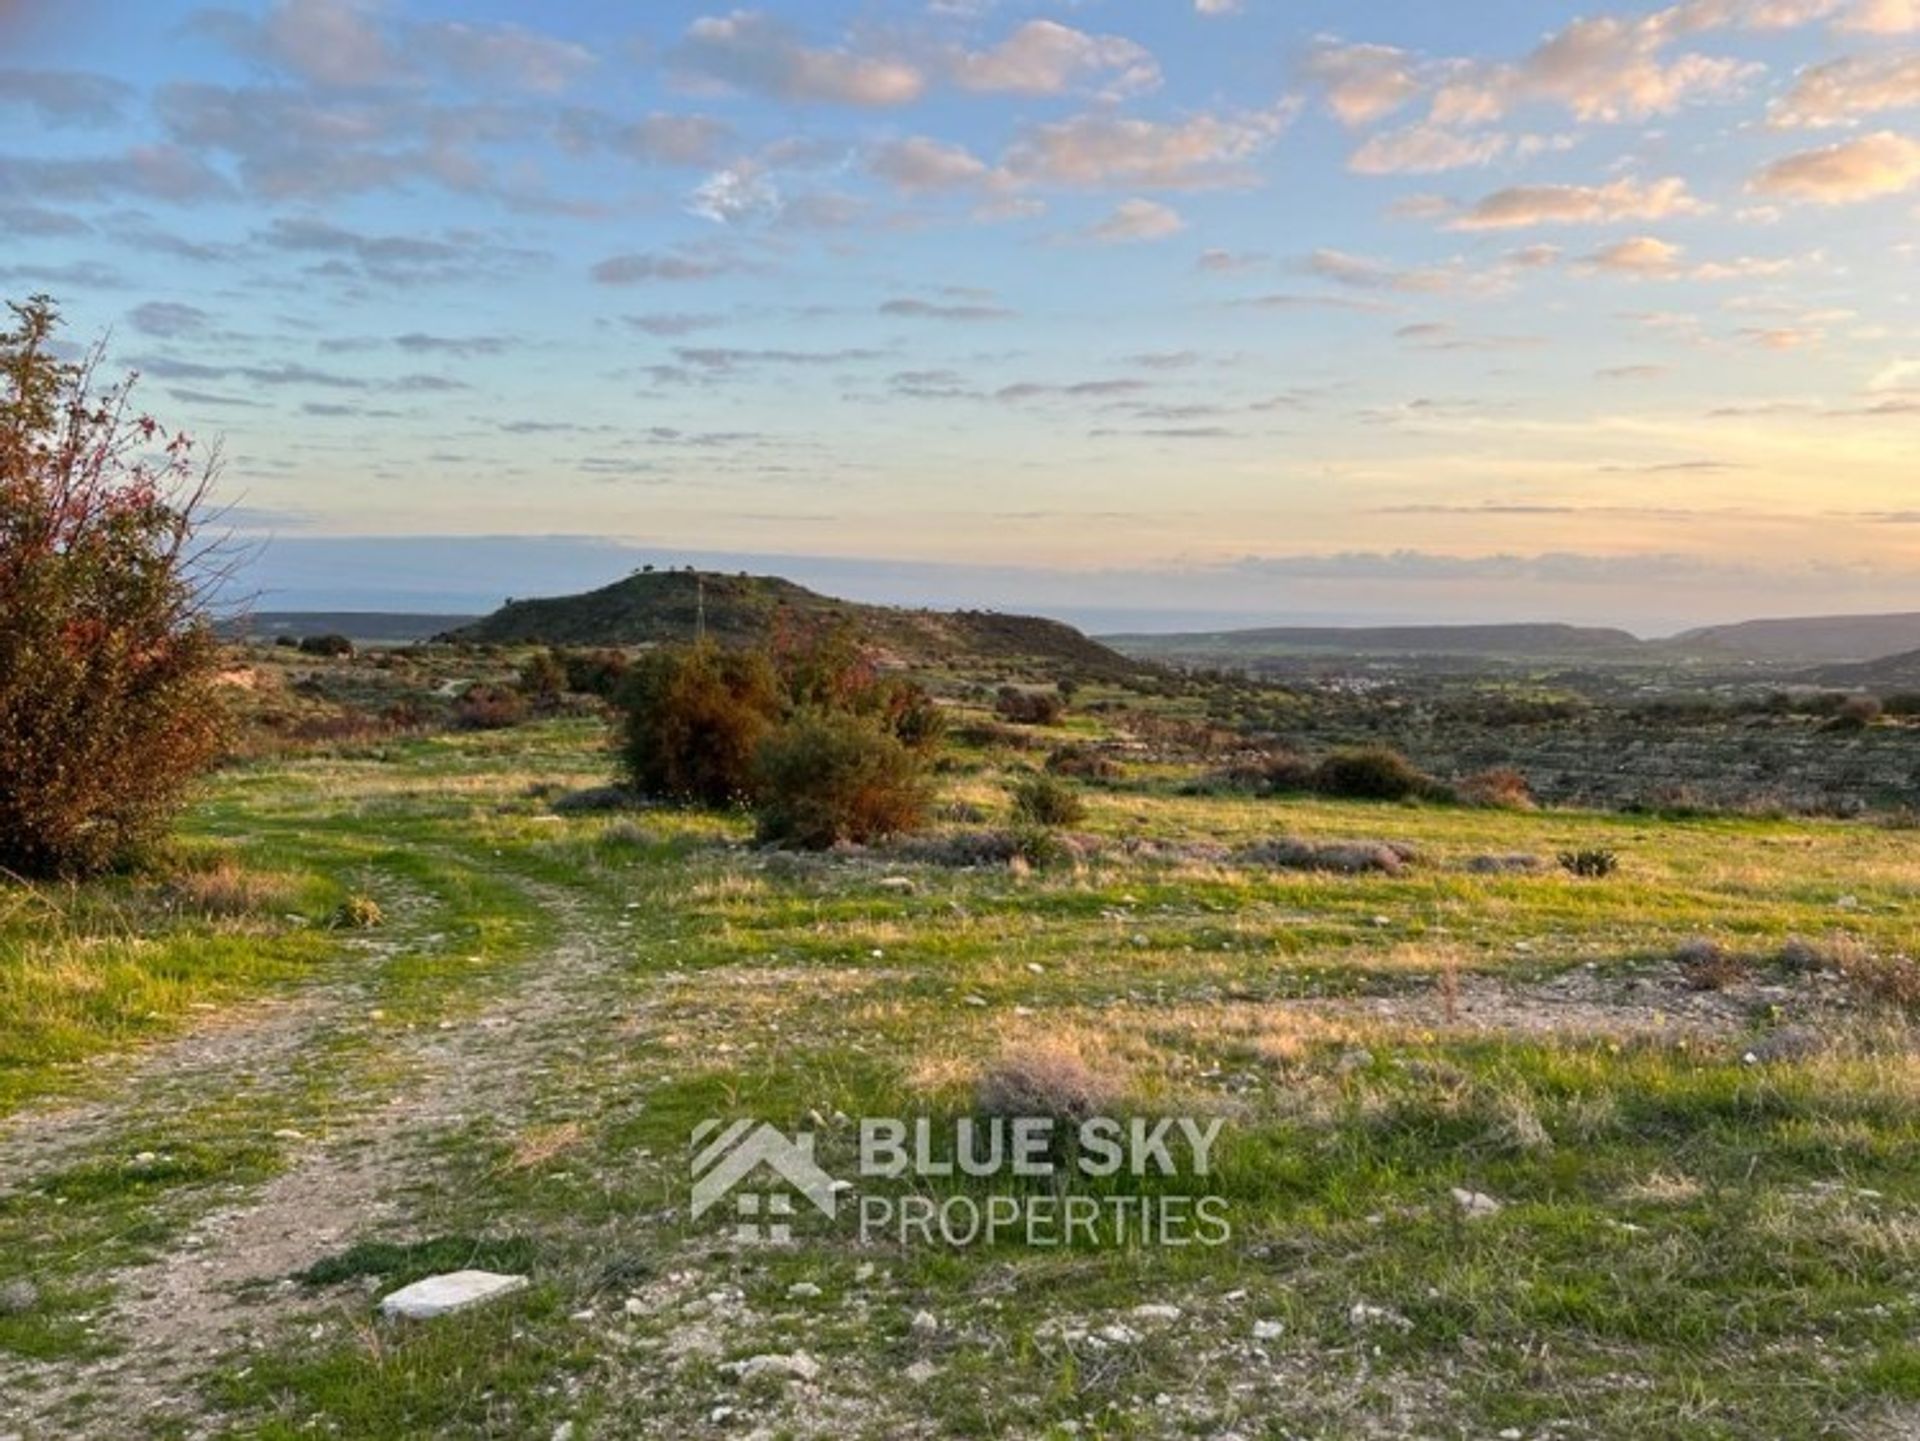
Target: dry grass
(224, 888)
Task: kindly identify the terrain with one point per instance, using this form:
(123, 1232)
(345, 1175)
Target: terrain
(652, 607)
(363, 627)
(1506, 1151)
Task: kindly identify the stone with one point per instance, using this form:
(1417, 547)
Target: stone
(902, 884)
(1119, 1335)
(1475, 1205)
(18, 1297)
(1268, 1330)
(921, 1372)
(1156, 1312)
(803, 1291)
(924, 1323)
(797, 1367)
(454, 1291)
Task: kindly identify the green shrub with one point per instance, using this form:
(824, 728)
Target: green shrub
(1591, 864)
(595, 672)
(489, 708)
(1046, 801)
(109, 701)
(1370, 773)
(328, 645)
(1084, 763)
(693, 719)
(830, 776)
(1029, 707)
(543, 679)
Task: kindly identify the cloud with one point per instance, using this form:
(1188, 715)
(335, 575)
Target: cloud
(168, 318)
(672, 322)
(332, 43)
(1226, 262)
(1203, 151)
(65, 97)
(392, 259)
(1361, 273)
(504, 55)
(1836, 92)
(736, 194)
(913, 309)
(1136, 220)
(1043, 57)
(751, 51)
(1883, 17)
(37, 220)
(662, 139)
(639, 266)
(919, 166)
(1862, 169)
(1426, 150)
(1646, 257)
(1523, 205)
(1363, 83)
(153, 172)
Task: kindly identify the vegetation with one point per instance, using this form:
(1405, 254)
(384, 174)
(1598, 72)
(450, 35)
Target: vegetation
(832, 776)
(107, 656)
(1044, 800)
(694, 720)
(1370, 773)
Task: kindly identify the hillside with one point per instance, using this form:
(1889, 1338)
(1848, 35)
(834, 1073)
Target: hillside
(1885, 676)
(652, 607)
(1556, 641)
(1810, 638)
(364, 626)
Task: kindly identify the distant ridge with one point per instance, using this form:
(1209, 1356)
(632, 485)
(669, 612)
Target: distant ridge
(1886, 675)
(1810, 638)
(368, 626)
(1426, 640)
(655, 607)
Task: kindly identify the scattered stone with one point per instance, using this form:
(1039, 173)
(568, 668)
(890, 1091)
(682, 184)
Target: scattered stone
(1119, 1335)
(863, 1272)
(921, 1372)
(904, 885)
(1476, 1205)
(797, 1367)
(454, 1291)
(1268, 1330)
(924, 1323)
(1789, 1043)
(1364, 1314)
(634, 1306)
(1155, 1312)
(803, 1291)
(563, 1432)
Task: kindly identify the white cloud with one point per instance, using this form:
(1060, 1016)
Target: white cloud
(1523, 205)
(1425, 150)
(918, 165)
(1046, 58)
(1203, 151)
(1137, 220)
(1883, 17)
(1863, 169)
(1364, 83)
(1836, 92)
(749, 50)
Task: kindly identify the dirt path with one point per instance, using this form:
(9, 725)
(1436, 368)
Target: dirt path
(225, 1278)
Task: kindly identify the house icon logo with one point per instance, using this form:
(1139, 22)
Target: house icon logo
(725, 1155)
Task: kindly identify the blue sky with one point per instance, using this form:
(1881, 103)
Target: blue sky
(1130, 311)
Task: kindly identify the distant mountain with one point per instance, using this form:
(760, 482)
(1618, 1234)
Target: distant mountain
(1814, 638)
(1515, 641)
(366, 626)
(652, 607)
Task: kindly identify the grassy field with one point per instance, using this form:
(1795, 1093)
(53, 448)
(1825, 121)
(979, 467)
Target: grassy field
(1679, 1103)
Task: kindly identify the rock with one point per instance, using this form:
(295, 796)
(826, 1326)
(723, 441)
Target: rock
(1119, 1335)
(921, 1372)
(1363, 1314)
(904, 885)
(18, 1297)
(803, 1291)
(1152, 1312)
(1476, 1205)
(797, 1367)
(924, 1323)
(1268, 1330)
(454, 1291)
(563, 1432)
(1789, 1043)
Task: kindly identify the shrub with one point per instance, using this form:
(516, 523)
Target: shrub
(328, 645)
(1706, 965)
(358, 913)
(109, 704)
(1370, 773)
(1084, 763)
(543, 679)
(1044, 1078)
(828, 776)
(1589, 864)
(1499, 789)
(693, 719)
(595, 672)
(1029, 707)
(489, 708)
(1855, 713)
(1046, 801)
(1890, 980)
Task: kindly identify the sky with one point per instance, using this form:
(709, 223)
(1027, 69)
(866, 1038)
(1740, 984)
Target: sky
(1147, 313)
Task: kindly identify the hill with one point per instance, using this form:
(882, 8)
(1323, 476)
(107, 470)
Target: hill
(1885, 676)
(1810, 638)
(654, 607)
(1517, 641)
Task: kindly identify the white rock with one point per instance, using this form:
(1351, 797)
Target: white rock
(1153, 1312)
(803, 1291)
(454, 1291)
(903, 884)
(921, 1372)
(1268, 1330)
(797, 1367)
(1119, 1335)
(1475, 1205)
(924, 1323)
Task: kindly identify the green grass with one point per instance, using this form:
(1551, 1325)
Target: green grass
(1689, 1243)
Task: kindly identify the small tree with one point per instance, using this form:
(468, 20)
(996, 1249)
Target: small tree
(831, 776)
(543, 679)
(108, 659)
(693, 720)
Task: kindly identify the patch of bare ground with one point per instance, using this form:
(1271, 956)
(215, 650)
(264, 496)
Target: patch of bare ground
(226, 1279)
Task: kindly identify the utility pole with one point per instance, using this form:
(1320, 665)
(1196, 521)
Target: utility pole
(700, 609)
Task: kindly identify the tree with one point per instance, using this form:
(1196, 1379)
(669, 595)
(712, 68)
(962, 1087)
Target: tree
(108, 660)
(693, 718)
